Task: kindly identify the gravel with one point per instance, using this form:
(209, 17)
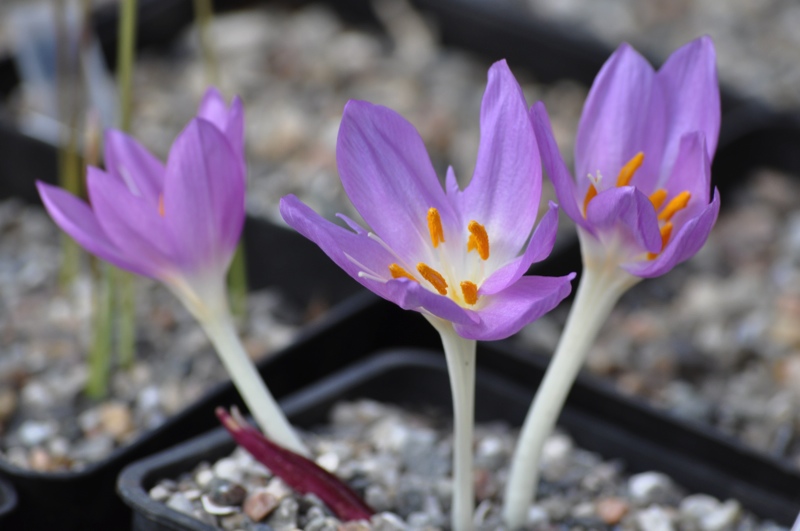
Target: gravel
(579, 489)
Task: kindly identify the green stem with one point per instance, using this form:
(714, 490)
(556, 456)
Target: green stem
(126, 52)
(600, 287)
(237, 283)
(460, 356)
(204, 13)
(100, 349)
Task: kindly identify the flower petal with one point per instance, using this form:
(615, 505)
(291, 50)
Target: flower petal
(691, 90)
(628, 215)
(131, 223)
(681, 247)
(539, 248)
(77, 219)
(126, 158)
(388, 176)
(564, 185)
(230, 121)
(692, 173)
(506, 312)
(204, 196)
(357, 253)
(504, 192)
(618, 121)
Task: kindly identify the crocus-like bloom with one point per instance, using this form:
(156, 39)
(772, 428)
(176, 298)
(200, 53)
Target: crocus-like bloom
(642, 159)
(458, 255)
(178, 222)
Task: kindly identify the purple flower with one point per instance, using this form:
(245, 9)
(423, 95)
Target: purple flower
(456, 254)
(178, 223)
(642, 159)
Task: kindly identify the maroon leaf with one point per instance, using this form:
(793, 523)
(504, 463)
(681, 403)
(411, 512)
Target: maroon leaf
(300, 473)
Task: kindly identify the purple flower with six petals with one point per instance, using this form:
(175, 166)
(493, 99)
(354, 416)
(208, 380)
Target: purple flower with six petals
(178, 222)
(642, 159)
(458, 255)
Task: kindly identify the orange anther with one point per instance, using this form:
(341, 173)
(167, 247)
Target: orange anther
(478, 239)
(434, 277)
(590, 194)
(398, 272)
(666, 232)
(470, 292)
(435, 227)
(161, 205)
(627, 171)
(677, 203)
(657, 198)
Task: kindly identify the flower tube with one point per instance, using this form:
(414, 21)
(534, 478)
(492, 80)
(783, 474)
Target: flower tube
(641, 201)
(457, 256)
(178, 223)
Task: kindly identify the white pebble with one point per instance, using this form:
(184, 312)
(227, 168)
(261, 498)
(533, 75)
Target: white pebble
(646, 487)
(278, 488)
(204, 477)
(212, 508)
(180, 503)
(33, 433)
(693, 507)
(537, 515)
(721, 518)
(329, 461)
(228, 468)
(159, 493)
(654, 518)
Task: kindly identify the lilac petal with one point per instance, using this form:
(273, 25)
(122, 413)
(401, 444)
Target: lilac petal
(131, 223)
(126, 158)
(504, 192)
(300, 473)
(691, 173)
(213, 108)
(230, 121)
(388, 176)
(204, 196)
(629, 215)
(410, 295)
(690, 238)
(451, 183)
(564, 185)
(357, 253)
(539, 248)
(77, 219)
(506, 312)
(689, 83)
(358, 229)
(618, 120)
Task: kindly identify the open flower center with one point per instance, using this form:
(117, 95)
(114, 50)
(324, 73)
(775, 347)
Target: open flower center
(657, 198)
(455, 271)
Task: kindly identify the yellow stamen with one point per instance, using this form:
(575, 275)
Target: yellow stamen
(627, 171)
(470, 292)
(434, 277)
(435, 227)
(478, 239)
(397, 272)
(657, 198)
(590, 194)
(161, 205)
(666, 232)
(677, 203)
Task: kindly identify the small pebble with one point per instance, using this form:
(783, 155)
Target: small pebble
(611, 510)
(259, 504)
(654, 518)
(722, 517)
(648, 487)
(180, 503)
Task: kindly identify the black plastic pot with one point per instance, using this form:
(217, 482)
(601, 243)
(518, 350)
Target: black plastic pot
(8, 501)
(594, 416)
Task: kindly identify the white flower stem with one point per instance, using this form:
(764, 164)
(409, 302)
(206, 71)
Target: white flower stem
(243, 372)
(460, 355)
(207, 300)
(600, 287)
